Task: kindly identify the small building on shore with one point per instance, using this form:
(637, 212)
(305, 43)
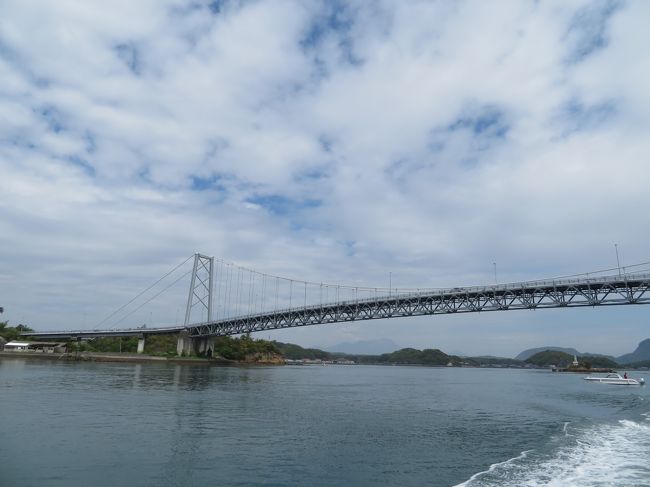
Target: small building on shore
(40, 347)
(14, 346)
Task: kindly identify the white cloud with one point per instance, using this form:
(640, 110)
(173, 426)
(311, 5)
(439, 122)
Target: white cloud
(424, 139)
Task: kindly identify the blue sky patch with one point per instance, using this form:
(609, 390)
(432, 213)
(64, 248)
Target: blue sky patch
(83, 164)
(350, 248)
(130, 56)
(575, 116)
(215, 183)
(91, 144)
(216, 6)
(14, 59)
(587, 32)
(488, 122)
(311, 175)
(475, 130)
(336, 21)
(52, 118)
(22, 142)
(281, 205)
(326, 143)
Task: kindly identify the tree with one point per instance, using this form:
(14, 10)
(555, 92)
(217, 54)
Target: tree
(10, 333)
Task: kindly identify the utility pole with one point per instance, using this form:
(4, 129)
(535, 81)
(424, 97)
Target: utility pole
(618, 262)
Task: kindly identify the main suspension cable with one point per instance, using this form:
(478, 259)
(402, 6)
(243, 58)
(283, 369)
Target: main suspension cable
(142, 292)
(151, 298)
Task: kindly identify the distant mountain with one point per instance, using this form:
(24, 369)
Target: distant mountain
(526, 354)
(365, 347)
(641, 353)
(492, 360)
(457, 353)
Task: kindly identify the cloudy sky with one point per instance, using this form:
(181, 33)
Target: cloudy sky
(329, 141)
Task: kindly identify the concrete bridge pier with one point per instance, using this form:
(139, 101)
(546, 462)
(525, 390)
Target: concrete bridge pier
(184, 345)
(187, 345)
(204, 347)
(141, 344)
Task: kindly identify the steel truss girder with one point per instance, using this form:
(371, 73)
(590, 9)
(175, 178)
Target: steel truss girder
(590, 292)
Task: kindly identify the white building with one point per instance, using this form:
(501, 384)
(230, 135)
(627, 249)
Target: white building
(41, 347)
(16, 346)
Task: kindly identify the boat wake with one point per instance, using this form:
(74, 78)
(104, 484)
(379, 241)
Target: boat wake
(606, 454)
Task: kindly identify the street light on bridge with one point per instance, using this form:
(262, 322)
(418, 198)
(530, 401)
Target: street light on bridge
(618, 262)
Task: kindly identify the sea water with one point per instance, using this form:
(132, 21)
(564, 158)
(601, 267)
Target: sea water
(103, 424)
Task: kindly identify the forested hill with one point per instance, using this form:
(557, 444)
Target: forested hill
(292, 351)
(405, 356)
(526, 354)
(412, 356)
(562, 359)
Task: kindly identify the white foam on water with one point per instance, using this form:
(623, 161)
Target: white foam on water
(604, 455)
(492, 468)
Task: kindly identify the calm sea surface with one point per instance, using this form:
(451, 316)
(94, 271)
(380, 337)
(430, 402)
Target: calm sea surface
(101, 424)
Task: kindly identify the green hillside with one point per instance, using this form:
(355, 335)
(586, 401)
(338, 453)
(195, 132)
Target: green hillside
(598, 361)
(637, 365)
(292, 351)
(405, 356)
(413, 356)
(561, 359)
(550, 357)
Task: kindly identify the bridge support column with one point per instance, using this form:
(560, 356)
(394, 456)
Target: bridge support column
(141, 344)
(204, 346)
(185, 344)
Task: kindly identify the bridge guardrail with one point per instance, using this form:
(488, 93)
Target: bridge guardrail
(596, 280)
(447, 291)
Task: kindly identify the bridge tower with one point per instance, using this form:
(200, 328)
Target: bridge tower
(201, 286)
(200, 296)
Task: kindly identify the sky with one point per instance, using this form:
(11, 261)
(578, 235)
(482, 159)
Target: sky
(328, 141)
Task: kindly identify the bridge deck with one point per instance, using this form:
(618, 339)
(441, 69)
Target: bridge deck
(562, 293)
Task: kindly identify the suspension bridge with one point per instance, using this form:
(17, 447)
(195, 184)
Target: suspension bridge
(232, 300)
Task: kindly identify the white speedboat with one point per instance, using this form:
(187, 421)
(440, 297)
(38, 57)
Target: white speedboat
(617, 380)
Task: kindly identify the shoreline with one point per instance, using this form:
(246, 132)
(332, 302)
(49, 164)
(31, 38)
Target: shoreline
(582, 370)
(126, 358)
(141, 358)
